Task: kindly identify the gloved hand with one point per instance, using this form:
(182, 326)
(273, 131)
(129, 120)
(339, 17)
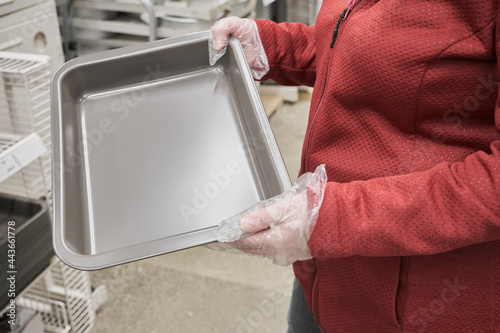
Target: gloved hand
(245, 30)
(278, 228)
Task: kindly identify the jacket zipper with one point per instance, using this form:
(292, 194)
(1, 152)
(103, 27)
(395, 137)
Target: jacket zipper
(342, 18)
(336, 30)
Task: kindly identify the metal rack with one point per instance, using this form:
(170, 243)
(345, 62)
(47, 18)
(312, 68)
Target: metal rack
(17, 152)
(62, 287)
(30, 26)
(53, 312)
(25, 109)
(61, 294)
(64, 299)
(142, 20)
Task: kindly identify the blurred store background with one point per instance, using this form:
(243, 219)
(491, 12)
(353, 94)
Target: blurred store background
(195, 290)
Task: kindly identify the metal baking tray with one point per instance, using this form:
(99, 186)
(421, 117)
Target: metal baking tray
(153, 147)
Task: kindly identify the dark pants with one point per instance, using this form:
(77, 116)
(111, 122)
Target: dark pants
(300, 320)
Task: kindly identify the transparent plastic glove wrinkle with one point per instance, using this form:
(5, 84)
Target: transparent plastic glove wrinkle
(278, 228)
(246, 31)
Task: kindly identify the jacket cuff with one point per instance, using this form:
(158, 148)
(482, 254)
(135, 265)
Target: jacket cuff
(325, 241)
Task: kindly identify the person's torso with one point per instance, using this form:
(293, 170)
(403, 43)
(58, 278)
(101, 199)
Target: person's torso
(407, 85)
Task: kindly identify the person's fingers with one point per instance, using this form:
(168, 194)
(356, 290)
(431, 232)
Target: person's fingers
(256, 221)
(221, 31)
(239, 28)
(220, 35)
(242, 29)
(247, 247)
(262, 244)
(265, 217)
(257, 240)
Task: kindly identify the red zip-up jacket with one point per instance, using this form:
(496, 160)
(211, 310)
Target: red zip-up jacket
(405, 115)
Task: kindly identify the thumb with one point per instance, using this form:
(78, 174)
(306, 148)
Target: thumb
(266, 217)
(256, 221)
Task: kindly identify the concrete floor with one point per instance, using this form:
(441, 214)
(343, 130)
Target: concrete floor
(200, 290)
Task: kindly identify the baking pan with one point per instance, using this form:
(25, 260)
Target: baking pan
(31, 233)
(153, 147)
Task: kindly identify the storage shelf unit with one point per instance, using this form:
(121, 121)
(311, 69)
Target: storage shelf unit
(53, 312)
(17, 152)
(64, 299)
(61, 294)
(69, 287)
(32, 29)
(118, 23)
(25, 109)
(199, 9)
(10, 6)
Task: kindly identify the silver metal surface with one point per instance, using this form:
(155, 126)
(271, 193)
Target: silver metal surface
(153, 148)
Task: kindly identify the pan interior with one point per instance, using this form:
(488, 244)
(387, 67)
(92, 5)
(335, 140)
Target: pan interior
(164, 158)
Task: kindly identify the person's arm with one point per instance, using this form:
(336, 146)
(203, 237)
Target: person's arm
(444, 208)
(291, 52)
(438, 210)
(447, 207)
(283, 52)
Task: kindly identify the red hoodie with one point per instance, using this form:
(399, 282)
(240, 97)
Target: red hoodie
(405, 115)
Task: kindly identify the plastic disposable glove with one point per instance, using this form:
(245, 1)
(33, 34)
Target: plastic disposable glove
(278, 228)
(245, 30)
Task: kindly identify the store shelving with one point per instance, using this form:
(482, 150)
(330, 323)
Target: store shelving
(111, 24)
(24, 111)
(62, 295)
(17, 152)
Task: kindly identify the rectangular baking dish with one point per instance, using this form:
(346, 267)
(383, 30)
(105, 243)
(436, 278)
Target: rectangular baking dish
(31, 231)
(153, 147)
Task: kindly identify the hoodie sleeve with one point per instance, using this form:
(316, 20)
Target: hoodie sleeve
(447, 207)
(291, 51)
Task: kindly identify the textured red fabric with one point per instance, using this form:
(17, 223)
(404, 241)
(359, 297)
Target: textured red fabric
(405, 114)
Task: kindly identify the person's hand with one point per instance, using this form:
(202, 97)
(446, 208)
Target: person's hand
(280, 232)
(278, 228)
(245, 30)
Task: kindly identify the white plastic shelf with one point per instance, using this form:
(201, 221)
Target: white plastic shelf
(25, 110)
(17, 152)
